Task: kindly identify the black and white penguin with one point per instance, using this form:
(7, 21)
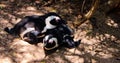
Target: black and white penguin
(52, 20)
(32, 26)
(67, 36)
(28, 28)
(50, 42)
(63, 36)
(58, 29)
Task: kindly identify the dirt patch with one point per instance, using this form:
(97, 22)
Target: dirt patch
(100, 37)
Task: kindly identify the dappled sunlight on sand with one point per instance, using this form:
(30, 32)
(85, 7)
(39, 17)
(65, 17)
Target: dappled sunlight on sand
(99, 45)
(111, 23)
(25, 52)
(4, 59)
(28, 11)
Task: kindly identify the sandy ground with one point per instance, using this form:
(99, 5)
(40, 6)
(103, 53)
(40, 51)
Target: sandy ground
(99, 43)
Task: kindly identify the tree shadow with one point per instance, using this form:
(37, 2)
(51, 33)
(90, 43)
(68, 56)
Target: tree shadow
(106, 29)
(18, 51)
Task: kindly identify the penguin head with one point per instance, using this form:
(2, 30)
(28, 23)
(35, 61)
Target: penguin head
(50, 42)
(30, 36)
(29, 32)
(54, 19)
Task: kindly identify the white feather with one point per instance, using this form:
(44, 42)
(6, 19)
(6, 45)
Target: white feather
(47, 22)
(26, 31)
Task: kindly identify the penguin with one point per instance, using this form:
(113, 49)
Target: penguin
(67, 36)
(50, 42)
(52, 20)
(28, 28)
(34, 26)
(63, 37)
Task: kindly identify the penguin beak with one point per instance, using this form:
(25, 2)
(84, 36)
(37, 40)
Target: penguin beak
(63, 22)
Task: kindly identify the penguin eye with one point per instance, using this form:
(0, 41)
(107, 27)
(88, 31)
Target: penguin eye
(54, 22)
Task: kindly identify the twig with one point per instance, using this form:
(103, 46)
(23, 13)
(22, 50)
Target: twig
(89, 14)
(83, 4)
